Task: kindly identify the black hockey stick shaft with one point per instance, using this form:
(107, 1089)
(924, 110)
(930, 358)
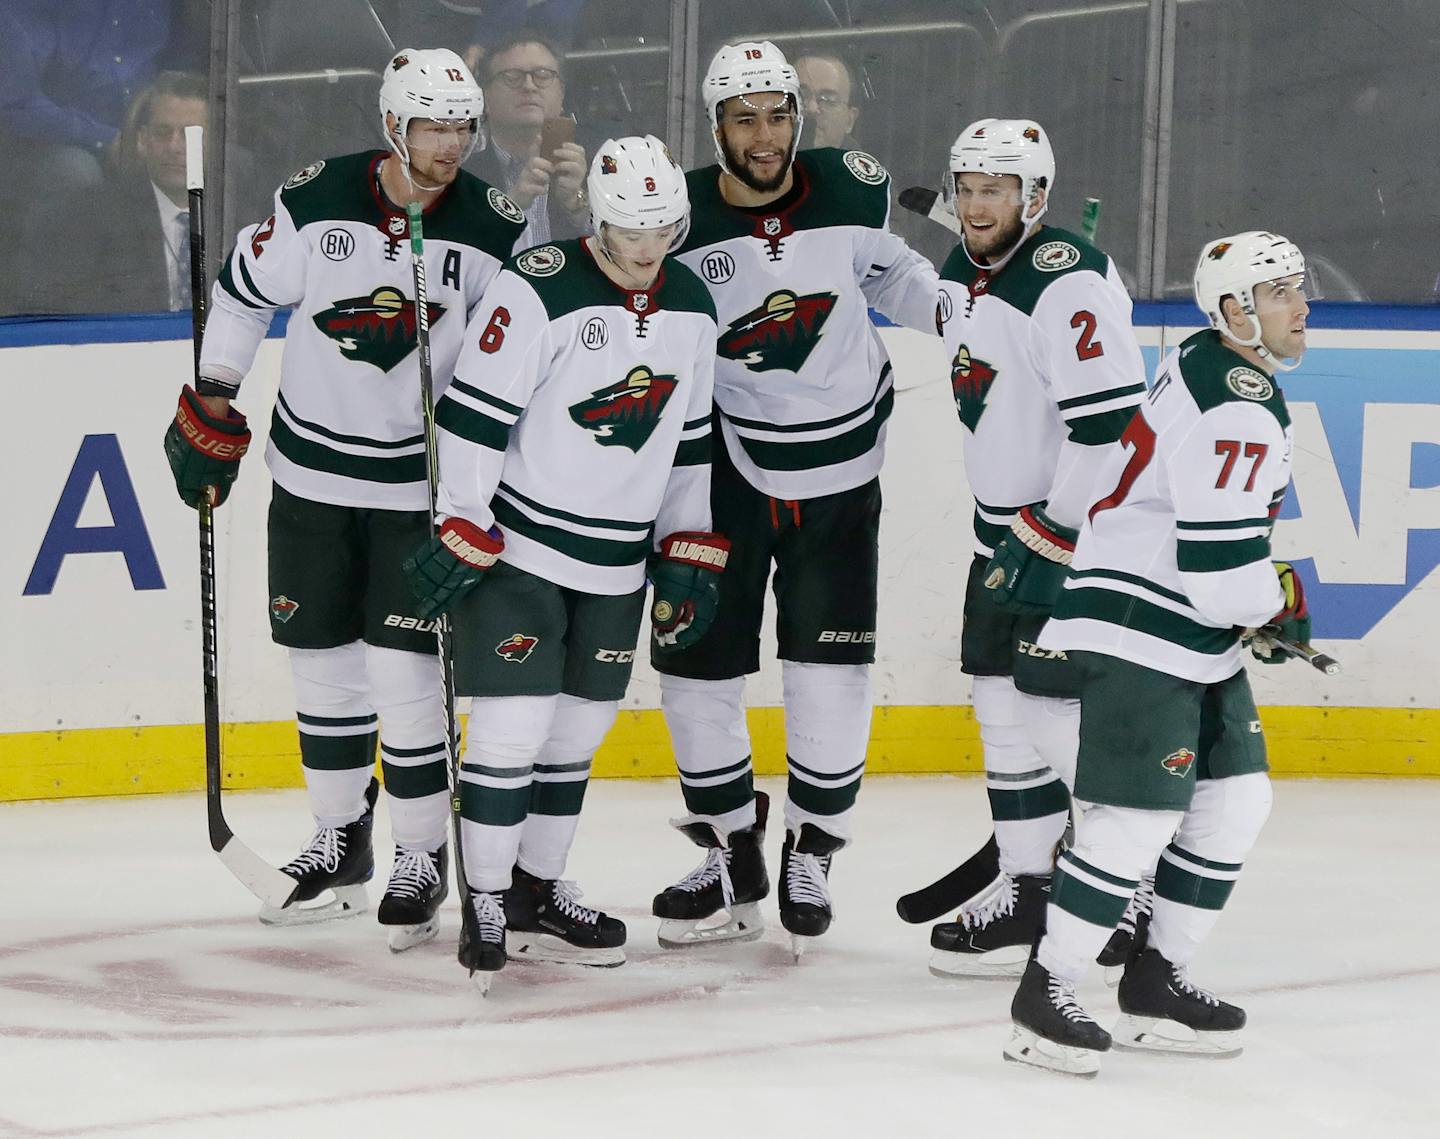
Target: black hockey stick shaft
(468, 920)
(946, 893)
(1315, 659)
(260, 878)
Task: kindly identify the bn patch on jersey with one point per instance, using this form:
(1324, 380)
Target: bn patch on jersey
(545, 261)
(1054, 256)
(1247, 383)
(866, 167)
(502, 205)
(300, 177)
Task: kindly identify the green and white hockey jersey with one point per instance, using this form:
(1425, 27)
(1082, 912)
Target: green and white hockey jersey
(1045, 371)
(1174, 559)
(346, 428)
(803, 382)
(579, 417)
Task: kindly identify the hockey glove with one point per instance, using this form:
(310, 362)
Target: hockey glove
(451, 564)
(686, 574)
(204, 450)
(1030, 562)
(1292, 623)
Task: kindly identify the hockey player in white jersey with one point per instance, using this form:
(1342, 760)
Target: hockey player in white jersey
(346, 452)
(1171, 573)
(1046, 372)
(795, 248)
(574, 449)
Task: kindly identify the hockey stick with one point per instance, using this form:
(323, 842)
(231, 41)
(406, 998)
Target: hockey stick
(1315, 659)
(268, 884)
(468, 921)
(965, 881)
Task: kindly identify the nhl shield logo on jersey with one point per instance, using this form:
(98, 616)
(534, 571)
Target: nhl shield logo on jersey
(502, 205)
(970, 380)
(300, 177)
(378, 329)
(1054, 256)
(780, 333)
(626, 414)
(1179, 762)
(517, 647)
(544, 261)
(282, 609)
(1247, 383)
(865, 167)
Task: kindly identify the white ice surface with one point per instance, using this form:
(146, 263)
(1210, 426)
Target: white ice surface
(139, 996)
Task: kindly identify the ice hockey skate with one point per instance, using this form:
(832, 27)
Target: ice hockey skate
(485, 956)
(337, 859)
(805, 907)
(411, 905)
(730, 884)
(1129, 936)
(992, 934)
(546, 922)
(1161, 1011)
(1052, 1030)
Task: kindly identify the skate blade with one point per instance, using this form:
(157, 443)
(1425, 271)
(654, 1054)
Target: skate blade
(482, 982)
(403, 937)
(1168, 1037)
(798, 945)
(1034, 1051)
(745, 923)
(348, 902)
(1112, 975)
(1005, 963)
(543, 947)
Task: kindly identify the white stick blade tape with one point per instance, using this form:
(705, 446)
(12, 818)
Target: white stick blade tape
(195, 158)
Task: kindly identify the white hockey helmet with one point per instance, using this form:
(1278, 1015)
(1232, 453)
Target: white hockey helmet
(635, 183)
(1232, 267)
(1006, 146)
(745, 68)
(429, 83)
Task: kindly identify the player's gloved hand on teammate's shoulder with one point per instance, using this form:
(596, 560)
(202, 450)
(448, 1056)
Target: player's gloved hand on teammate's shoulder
(204, 450)
(1030, 562)
(686, 575)
(1292, 623)
(451, 564)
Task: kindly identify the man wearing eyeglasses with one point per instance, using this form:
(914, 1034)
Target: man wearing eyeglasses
(826, 87)
(524, 89)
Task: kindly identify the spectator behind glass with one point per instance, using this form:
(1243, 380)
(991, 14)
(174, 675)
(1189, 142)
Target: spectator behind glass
(525, 88)
(124, 245)
(826, 87)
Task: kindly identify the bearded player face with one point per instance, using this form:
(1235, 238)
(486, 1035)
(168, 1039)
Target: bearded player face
(990, 212)
(757, 132)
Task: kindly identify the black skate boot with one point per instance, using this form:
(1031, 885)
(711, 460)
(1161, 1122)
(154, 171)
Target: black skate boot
(1129, 936)
(1161, 1011)
(992, 934)
(338, 859)
(805, 908)
(1052, 1031)
(485, 956)
(412, 899)
(732, 880)
(547, 923)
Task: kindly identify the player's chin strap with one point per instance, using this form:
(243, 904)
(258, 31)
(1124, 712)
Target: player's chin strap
(1257, 344)
(999, 263)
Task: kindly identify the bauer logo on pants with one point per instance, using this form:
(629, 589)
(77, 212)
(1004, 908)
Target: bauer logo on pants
(517, 647)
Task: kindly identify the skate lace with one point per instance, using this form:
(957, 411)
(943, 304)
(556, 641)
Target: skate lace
(1062, 999)
(413, 873)
(1141, 902)
(324, 852)
(567, 897)
(490, 915)
(999, 903)
(715, 867)
(807, 881)
(1180, 977)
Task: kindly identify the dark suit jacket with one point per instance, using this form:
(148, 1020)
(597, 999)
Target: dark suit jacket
(99, 251)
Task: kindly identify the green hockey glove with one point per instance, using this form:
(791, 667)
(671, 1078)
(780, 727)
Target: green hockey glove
(451, 564)
(1030, 562)
(686, 575)
(204, 450)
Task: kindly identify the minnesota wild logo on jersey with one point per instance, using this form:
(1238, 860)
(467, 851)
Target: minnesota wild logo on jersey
(781, 332)
(626, 414)
(378, 329)
(970, 380)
